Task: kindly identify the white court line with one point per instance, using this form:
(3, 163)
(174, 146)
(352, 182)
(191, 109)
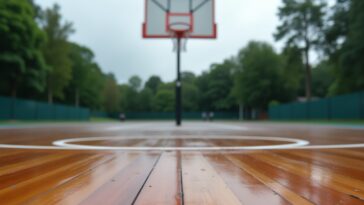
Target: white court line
(294, 143)
(339, 146)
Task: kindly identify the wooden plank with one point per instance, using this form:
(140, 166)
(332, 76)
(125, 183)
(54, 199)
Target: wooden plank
(47, 180)
(334, 166)
(31, 162)
(12, 179)
(78, 189)
(163, 185)
(289, 195)
(295, 182)
(352, 153)
(341, 161)
(248, 189)
(125, 186)
(202, 185)
(326, 177)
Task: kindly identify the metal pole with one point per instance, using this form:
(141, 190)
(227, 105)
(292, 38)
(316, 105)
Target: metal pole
(178, 84)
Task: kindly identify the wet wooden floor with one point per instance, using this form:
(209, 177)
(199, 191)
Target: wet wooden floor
(247, 176)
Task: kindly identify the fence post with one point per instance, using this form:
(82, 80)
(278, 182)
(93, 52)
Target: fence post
(329, 108)
(362, 105)
(36, 110)
(13, 108)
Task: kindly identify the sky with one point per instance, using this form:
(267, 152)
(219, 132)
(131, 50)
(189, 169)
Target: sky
(113, 30)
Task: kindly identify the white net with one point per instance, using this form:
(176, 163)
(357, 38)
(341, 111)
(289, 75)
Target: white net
(183, 40)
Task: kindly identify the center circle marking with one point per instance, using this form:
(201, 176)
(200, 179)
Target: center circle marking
(292, 143)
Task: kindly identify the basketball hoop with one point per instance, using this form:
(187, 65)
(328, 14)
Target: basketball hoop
(179, 20)
(182, 35)
(179, 26)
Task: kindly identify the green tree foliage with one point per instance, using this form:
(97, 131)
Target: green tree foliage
(323, 78)
(293, 71)
(215, 87)
(22, 64)
(135, 82)
(56, 52)
(350, 72)
(153, 82)
(145, 99)
(337, 28)
(258, 82)
(129, 99)
(91, 96)
(164, 99)
(82, 65)
(301, 26)
(190, 92)
(111, 95)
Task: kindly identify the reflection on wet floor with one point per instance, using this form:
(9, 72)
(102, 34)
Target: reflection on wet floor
(183, 142)
(255, 177)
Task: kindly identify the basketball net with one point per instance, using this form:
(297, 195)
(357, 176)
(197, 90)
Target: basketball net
(183, 35)
(183, 42)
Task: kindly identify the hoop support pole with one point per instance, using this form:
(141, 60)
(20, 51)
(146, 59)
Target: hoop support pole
(178, 85)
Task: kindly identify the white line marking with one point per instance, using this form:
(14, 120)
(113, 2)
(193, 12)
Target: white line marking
(294, 143)
(65, 144)
(335, 146)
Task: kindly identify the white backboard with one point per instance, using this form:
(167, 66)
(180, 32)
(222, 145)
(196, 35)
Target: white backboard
(160, 15)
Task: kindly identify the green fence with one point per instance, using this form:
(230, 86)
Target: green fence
(99, 114)
(171, 115)
(20, 109)
(344, 107)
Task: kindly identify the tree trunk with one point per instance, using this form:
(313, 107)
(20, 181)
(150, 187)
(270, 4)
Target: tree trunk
(241, 112)
(50, 97)
(308, 79)
(14, 96)
(14, 91)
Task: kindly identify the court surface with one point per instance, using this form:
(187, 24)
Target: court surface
(200, 163)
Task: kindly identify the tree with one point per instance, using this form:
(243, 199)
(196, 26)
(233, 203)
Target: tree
(350, 72)
(22, 64)
(152, 83)
(337, 29)
(164, 100)
(145, 98)
(293, 72)
(92, 95)
(259, 82)
(82, 62)
(322, 79)
(111, 95)
(215, 87)
(188, 77)
(56, 52)
(190, 96)
(302, 24)
(135, 82)
(129, 98)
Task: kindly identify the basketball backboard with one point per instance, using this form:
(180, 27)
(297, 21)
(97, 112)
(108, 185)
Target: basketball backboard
(195, 18)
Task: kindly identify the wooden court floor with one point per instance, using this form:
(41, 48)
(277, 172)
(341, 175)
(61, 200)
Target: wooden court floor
(155, 163)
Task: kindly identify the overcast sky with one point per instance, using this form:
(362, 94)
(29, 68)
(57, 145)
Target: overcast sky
(112, 29)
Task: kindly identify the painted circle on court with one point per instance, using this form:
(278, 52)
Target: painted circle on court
(75, 143)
